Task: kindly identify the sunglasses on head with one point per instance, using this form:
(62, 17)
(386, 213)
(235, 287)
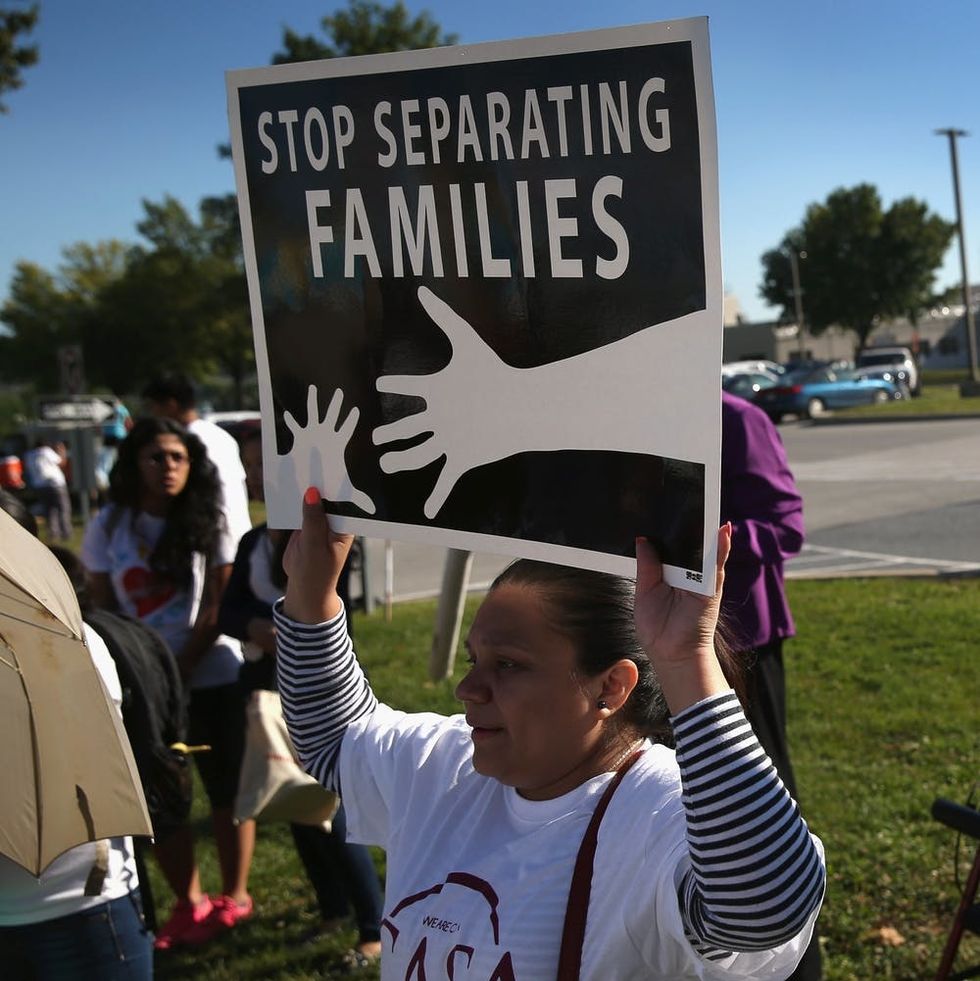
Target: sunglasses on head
(160, 457)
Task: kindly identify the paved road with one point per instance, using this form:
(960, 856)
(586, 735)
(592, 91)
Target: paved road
(880, 498)
(888, 498)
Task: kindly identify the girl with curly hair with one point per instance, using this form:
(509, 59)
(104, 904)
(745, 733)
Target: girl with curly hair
(160, 552)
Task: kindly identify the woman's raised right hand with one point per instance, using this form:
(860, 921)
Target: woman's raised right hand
(313, 562)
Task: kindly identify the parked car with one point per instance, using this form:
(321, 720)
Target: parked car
(748, 384)
(743, 367)
(237, 423)
(892, 357)
(899, 377)
(810, 392)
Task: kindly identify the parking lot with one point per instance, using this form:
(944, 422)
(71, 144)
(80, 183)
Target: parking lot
(895, 498)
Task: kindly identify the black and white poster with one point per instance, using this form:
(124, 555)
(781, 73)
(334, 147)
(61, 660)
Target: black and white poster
(486, 293)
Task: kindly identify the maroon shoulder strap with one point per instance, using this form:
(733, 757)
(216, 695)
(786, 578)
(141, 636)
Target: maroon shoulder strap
(577, 910)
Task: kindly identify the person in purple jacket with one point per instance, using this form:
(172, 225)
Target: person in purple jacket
(760, 499)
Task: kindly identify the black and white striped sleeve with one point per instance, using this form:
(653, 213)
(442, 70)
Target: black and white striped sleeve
(323, 690)
(757, 875)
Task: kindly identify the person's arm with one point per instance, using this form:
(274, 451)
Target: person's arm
(205, 630)
(95, 559)
(757, 876)
(322, 687)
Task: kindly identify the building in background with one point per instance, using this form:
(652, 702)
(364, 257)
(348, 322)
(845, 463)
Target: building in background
(939, 338)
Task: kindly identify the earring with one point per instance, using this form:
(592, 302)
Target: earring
(601, 704)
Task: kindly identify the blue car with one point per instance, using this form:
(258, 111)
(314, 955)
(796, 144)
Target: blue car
(809, 392)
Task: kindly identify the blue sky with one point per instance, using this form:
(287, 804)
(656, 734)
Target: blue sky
(128, 102)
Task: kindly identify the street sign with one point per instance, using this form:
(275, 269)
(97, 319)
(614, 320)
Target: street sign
(92, 409)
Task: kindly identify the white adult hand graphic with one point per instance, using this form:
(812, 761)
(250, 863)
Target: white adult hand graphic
(479, 409)
(475, 376)
(317, 457)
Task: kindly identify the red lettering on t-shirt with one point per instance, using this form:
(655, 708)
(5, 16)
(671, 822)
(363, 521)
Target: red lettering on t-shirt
(416, 966)
(451, 959)
(504, 971)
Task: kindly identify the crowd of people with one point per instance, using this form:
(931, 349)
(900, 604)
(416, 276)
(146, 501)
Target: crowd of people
(160, 554)
(615, 801)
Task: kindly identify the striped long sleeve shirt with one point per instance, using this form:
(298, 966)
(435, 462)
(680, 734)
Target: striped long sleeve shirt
(756, 874)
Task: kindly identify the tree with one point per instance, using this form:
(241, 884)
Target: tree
(46, 310)
(178, 300)
(863, 264)
(13, 56)
(365, 28)
(183, 302)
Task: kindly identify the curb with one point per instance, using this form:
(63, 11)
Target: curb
(883, 574)
(830, 420)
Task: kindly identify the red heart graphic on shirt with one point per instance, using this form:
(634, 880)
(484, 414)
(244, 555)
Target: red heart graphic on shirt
(147, 595)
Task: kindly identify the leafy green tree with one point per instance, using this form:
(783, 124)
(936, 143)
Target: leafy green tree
(863, 264)
(364, 28)
(183, 301)
(45, 310)
(14, 57)
(177, 300)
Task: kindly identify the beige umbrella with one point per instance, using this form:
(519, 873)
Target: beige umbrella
(67, 769)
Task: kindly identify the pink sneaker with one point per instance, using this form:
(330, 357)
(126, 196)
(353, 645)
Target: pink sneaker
(185, 919)
(225, 913)
(229, 912)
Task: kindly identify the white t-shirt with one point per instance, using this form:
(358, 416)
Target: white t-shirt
(223, 453)
(496, 908)
(122, 550)
(43, 466)
(60, 891)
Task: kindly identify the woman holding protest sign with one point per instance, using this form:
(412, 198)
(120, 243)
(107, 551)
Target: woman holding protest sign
(550, 832)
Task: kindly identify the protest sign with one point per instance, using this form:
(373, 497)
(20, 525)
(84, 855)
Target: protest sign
(486, 293)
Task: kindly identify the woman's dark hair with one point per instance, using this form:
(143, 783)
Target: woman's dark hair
(194, 518)
(594, 610)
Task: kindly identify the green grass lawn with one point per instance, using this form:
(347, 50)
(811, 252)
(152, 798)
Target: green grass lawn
(936, 399)
(883, 688)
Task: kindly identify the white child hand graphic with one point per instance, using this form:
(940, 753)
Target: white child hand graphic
(317, 457)
(475, 376)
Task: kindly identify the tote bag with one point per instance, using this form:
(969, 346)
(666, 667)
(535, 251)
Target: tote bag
(272, 785)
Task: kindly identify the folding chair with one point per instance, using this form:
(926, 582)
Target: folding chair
(966, 820)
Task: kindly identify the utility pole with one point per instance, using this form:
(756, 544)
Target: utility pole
(794, 266)
(971, 339)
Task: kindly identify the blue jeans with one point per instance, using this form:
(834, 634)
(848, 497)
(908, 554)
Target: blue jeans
(108, 942)
(342, 874)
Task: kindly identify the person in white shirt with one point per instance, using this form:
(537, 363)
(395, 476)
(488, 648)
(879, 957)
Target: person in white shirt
(549, 831)
(160, 552)
(44, 469)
